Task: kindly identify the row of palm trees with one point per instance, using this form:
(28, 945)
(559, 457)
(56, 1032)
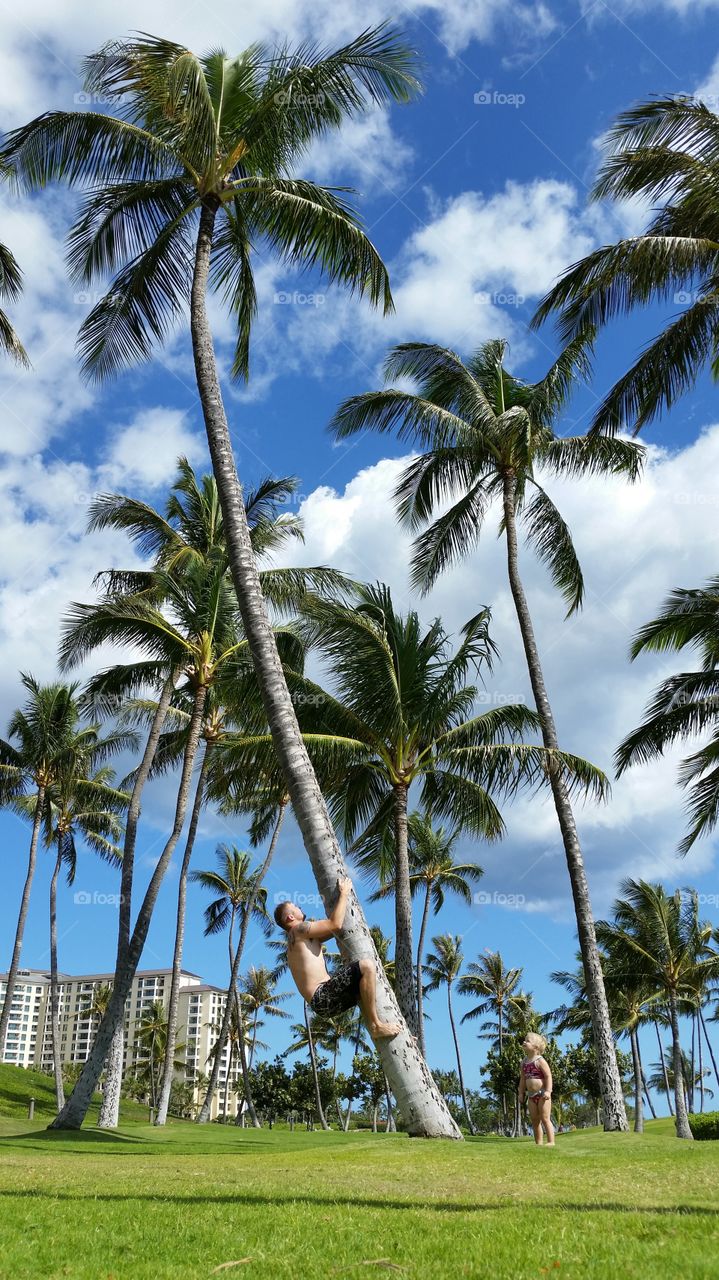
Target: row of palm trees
(182, 183)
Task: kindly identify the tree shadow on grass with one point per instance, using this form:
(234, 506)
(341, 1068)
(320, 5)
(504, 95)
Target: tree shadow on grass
(118, 1143)
(357, 1202)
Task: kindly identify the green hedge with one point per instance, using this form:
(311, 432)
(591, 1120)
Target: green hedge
(705, 1126)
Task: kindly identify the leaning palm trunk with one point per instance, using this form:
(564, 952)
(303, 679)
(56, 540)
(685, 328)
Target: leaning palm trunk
(680, 1105)
(315, 1075)
(54, 992)
(203, 1114)
(701, 1066)
(76, 1107)
(169, 1065)
(22, 917)
(709, 1045)
(403, 966)
(615, 1116)
(109, 1116)
(637, 1070)
(246, 1085)
(692, 1071)
(418, 1098)
(459, 1059)
(420, 998)
(662, 1059)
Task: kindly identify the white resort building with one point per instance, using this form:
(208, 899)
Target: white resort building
(29, 1041)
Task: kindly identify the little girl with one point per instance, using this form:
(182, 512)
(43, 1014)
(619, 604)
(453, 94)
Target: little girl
(535, 1082)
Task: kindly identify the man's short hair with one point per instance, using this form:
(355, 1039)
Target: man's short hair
(280, 908)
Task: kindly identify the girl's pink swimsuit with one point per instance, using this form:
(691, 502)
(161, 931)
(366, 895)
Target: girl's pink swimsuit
(531, 1069)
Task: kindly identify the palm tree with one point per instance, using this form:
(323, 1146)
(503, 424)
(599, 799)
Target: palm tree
(659, 938)
(10, 289)
(401, 715)
(443, 967)
(48, 738)
(258, 996)
(95, 1011)
(152, 1037)
(495, 987)
(485, 434)
(684, 704)
(664, 152)
(240, 898)
(237, 1035)
(663, 1078)
(432, 869)
(183, 615)
(203, 147)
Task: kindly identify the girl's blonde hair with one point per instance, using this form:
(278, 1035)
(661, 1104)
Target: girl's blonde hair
(534, 1038)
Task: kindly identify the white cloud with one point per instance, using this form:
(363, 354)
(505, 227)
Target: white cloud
(145, 452)
(635, 545)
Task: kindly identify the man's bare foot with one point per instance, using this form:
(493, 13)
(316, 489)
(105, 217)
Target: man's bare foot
(384, 1030)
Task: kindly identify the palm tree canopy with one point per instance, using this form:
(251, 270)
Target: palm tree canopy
(494, 985)
(190, 131)
(658, 937)
(663, 151)
(401, 712)
(10, 290)
(234, 884)
(683, 705)
(443, 965)
(476, 423)
(431, 864)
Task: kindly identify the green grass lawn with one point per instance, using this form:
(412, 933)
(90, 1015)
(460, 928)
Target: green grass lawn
(144, 1204)
(18, 1085)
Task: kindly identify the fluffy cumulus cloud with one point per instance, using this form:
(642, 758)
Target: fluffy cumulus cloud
(43, 43)
(635, 545)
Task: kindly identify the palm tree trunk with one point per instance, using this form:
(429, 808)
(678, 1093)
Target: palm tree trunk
(681, 1121)
(22, 917)
(254, 1039)
(418, 1098)
(637, 1069)
(709, 1046)
(227, 1081)
(54, 993)
(169, 1066)
(647, 1093)
(420, 952)
(110, 1107)
(662, 1059)
(404, 976)
(315, 1075)
(692, 1075)
(374, 1117)
(391, 1126)
(701, 1064)
(243, 1064)
(459, 1060)
(76, 1107)
(500, 1010)
(204, 1113)
(615, 1116)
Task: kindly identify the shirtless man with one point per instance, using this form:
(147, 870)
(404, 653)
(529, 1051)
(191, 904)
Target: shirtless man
(351, 984)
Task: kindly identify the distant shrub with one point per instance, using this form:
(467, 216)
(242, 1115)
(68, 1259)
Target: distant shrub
(705, 1126)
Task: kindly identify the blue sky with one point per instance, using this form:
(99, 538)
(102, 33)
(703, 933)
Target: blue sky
(476, 196)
